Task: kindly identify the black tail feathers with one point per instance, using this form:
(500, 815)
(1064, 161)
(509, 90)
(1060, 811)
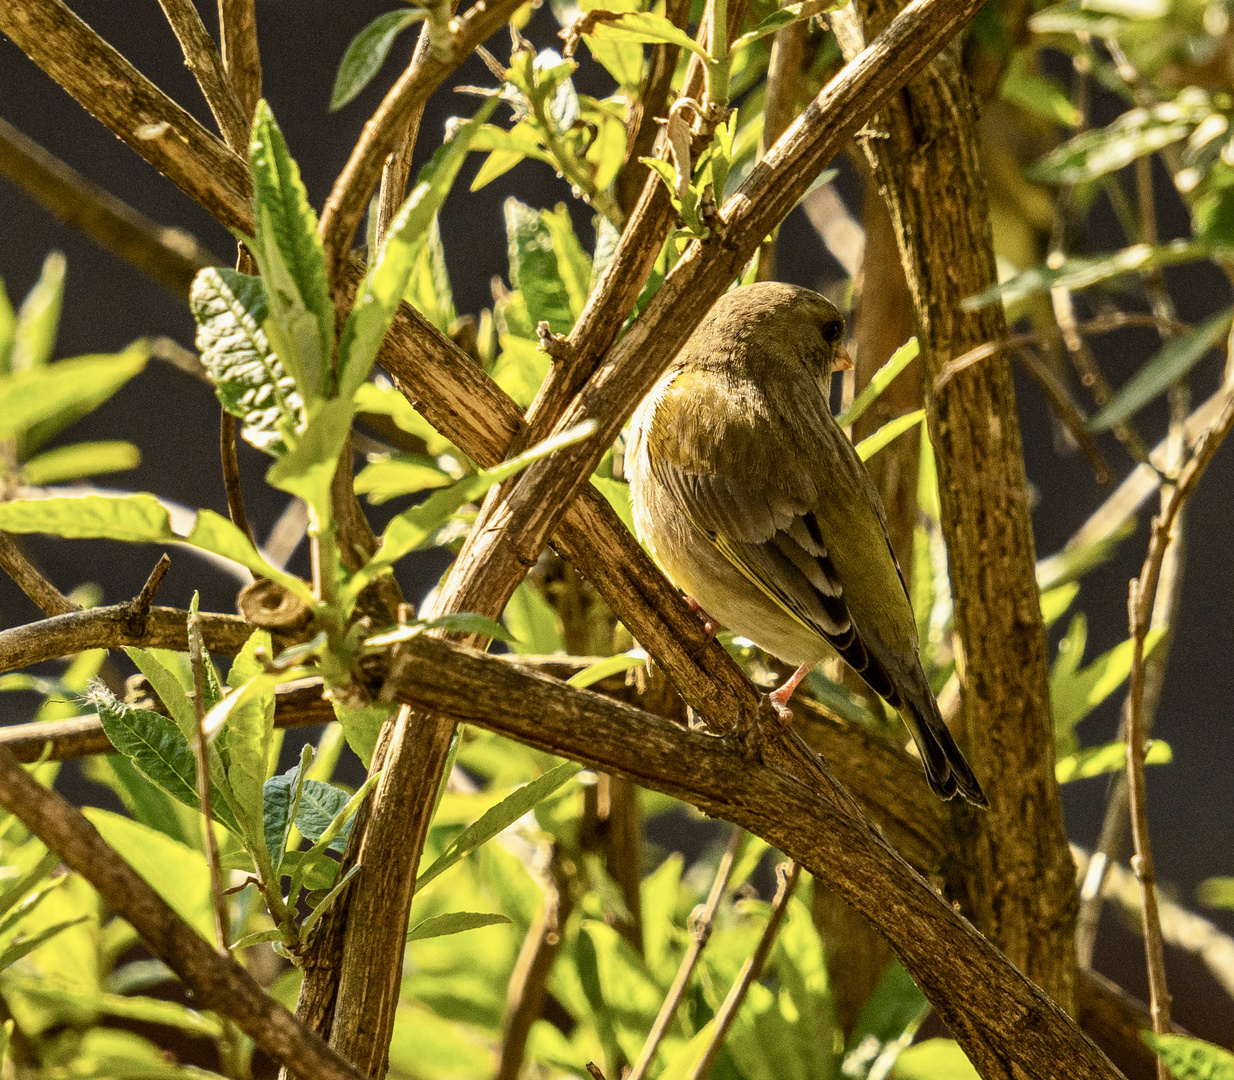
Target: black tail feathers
(947, 773)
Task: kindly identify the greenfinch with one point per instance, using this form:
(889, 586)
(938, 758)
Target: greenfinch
(755, 504)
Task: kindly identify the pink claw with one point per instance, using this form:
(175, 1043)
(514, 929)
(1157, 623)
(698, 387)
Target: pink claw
(710, 626)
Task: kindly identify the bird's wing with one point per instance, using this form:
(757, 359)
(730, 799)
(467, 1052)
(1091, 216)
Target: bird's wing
(796, 522)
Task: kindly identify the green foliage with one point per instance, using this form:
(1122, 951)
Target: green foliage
(367, 52)
(1191, 1059)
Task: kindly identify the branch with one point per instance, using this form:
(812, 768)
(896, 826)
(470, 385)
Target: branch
(231, 475)
(701, 919)
(203, 60)
(115, 92)
(217, 982)
(168, 255)
(241, 58)
(1023, 879)
(1143, 593)
(788, 875)
(1006, 1025)
(528, 987)
(349, 198)
(110, 628)
(27, 578)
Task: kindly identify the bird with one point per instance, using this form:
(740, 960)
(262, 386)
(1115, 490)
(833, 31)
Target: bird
(753, 501)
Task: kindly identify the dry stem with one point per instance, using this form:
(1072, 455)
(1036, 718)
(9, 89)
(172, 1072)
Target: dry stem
(50, 600)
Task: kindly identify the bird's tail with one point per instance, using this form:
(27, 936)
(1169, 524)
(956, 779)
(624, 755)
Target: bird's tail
(947, 773)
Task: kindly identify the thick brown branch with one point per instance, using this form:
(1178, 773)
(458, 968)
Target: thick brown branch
(110, 628)
(217, 982)
(1007, 1026)
(131, 106)
(168, 255)
(241, 58)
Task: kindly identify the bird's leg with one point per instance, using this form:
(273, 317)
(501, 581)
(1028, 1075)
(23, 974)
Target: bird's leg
(780, 695)
(710, 626)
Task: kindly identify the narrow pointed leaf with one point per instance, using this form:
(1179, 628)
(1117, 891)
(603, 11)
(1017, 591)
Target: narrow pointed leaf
(870, 446)
(134, 518)
(38, 319)
(899, 360)
(80, 459)
(367, 52)
(454, 923)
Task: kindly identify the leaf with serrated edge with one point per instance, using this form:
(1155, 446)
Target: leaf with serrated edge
(289, 252)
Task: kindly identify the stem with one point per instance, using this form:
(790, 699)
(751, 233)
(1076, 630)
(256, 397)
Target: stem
(222, 924)
(700, 931)
(570, 169)
(788, 873)
(241, 57)
(27, 578)
(718, 68)
(231, 475)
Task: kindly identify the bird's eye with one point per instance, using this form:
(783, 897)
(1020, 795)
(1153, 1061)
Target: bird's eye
(832, 331)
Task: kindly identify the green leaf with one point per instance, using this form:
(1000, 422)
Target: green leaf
(361, 727)
(18, 889)
(1077, 274)
(610, 665)
(384, 400)
(80, 459)
(1191, 1059)
(428, 289)
(534, 268)
(871, 445)
(507, 148)
(887, 1023)
(250, 729)
(320, 803)
(461, 622)
(617, 492)
(34, 335)
(134, 518)
(292, 261)
(1217, 892)
(149, 1010)
(573, 263)
(387, 277)
(935, 1059)
(1075, 692)
(169, 689)
(8, 328)
(23, 946)
(641, 27)
(176, 872)
(623, 60)
(308, 470)
(1035, 94)
(533, 622)
(57, 394)
(158, 749)
(213, 532)
(899, 360)
(1112, 757)
(1056, 601)
(367, 52)
(1176, 358)
(1137, 132)
(281, 802)
(454, 923)
(250, 380)
(504, 814)
(390, 477)
(413, 527)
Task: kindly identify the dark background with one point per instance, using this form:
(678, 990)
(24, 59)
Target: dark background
(173, 419)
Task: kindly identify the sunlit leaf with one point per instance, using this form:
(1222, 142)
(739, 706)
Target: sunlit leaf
(534, 269)
(38, 318)
(893, 429)
(135, 518)
(392, 477)
(79, 459)
(367, 52)
(454, 923)
(1191, 1059)
(610, 665)
(935, 1059)
(1112, 757)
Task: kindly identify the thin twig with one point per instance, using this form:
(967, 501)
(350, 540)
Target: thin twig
(528, 987)
(201, 751)
(116, 93)
(788, 874)
(700, 931)
(783, 80)
(139, 608)
(1142, 594)
(347, 201)
(203, 60)
(1067, 411)
(50, 600)
(1103, 324)
(231, 474)
(170, 256)
(216, 981)
(241, 57)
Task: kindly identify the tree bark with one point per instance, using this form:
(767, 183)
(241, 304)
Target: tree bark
(1023, 891)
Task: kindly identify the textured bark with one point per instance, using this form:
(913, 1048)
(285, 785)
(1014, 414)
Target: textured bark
(1023, 891)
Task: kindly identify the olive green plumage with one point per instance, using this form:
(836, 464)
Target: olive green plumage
(754, 502)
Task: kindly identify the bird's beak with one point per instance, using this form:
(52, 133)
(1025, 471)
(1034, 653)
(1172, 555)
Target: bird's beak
(843, 362)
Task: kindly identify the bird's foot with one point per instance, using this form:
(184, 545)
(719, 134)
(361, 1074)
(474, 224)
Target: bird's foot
(779, 697)
(710, 626)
